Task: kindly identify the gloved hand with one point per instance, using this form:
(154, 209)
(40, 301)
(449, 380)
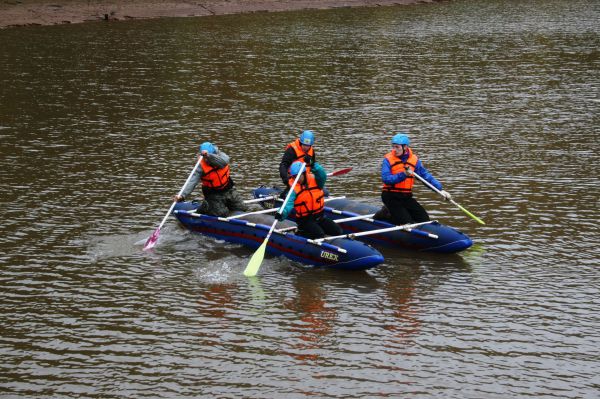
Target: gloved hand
(307, 160)
(279, 216)
(408, 171)
(446, 195)
(178, 198)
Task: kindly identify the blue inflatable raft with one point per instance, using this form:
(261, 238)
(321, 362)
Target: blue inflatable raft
(251, 230)
(430, 237)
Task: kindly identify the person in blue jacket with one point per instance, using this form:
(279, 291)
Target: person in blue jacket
(308, 202)
(397, 173)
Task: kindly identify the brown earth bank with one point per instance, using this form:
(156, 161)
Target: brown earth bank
(15, 13)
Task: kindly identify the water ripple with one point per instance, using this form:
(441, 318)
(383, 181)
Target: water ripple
(100, 125)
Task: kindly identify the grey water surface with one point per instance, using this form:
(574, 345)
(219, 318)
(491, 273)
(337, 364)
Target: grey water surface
(99, 127)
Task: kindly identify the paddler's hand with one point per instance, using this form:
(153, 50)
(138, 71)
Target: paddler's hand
(279, 216)
(408, 172)
(446, 195)
(178, 198)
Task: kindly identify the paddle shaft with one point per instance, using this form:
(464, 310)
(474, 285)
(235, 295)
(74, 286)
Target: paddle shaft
(151, 242)
(180, 192)
(384, 230)
(451, 200)
(357, 217)
(338, 172)
(252, 213)
(257, 258)
(287, 197)
(261, 199)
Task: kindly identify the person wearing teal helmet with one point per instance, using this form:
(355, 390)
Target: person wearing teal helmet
(207, 148)
(295, 169)
(220, 195)
(397, 169)
(400, 139)
(308, 203)
(307, 138)
(301, 149)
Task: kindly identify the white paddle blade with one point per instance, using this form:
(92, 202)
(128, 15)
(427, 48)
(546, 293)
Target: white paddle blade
(256, 260)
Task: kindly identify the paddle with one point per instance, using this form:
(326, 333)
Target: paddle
(440, 193)
(357, 217)
(407, 227)
(241, 215)
(261, 199)
(257, 258)
(339, 172)
(154, 237)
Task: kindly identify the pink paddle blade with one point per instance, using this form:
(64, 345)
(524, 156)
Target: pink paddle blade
(152, 240)
(341, 172)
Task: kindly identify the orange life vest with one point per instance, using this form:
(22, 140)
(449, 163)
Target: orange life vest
(309, 197)
(397, 166)
(300, 153)
(214, 178)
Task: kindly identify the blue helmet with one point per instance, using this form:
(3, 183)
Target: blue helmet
(400, 139)
(208, 147)
(307, 137)
(295, 168)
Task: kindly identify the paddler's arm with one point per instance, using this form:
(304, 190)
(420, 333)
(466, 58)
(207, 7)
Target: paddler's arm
(421, 171)
(424, 173)
(387, 177)
(288, 207)
(219, 159)
(320, 174)
(187, 190)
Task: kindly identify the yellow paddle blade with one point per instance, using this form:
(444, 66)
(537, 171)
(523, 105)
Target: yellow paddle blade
(470, 214)
(256, 260)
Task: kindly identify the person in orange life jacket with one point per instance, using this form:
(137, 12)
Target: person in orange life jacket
(220, 196)
(300, 149)
(397, 170)
(308, 202)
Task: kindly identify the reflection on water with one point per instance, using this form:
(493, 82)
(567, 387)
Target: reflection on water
(314, 319)
(100, 124)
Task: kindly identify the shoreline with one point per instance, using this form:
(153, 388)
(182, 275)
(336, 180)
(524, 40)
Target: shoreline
(16, 13)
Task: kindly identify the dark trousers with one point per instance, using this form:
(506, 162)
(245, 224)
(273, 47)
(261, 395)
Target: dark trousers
(317, 226)
(404, 208)
(221, 203)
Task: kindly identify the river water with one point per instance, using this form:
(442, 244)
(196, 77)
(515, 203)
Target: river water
(99, 125)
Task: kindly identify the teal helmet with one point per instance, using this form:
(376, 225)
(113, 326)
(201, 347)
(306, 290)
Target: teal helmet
(295, 168)
(307, 137)
(400, 139)
(208, 147)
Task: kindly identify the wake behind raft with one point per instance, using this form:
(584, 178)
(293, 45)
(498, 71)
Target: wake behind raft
(251, 230)
(351, 217)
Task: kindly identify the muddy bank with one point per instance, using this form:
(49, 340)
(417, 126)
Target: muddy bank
(15, 13)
